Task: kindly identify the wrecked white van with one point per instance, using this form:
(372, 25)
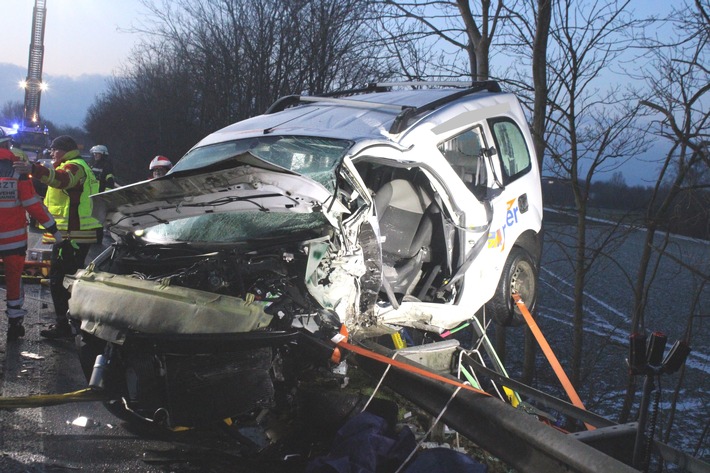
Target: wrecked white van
(389, 209)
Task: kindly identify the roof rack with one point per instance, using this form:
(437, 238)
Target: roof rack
(291, 100)
(405, 112)
(386, 86)
(425, 83)
(402, 120)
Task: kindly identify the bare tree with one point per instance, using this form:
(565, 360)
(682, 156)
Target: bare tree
(209, 63)
(150, 110)
(539, 75)
(678, 89)
(526, 37)
(589, 130)
(247, 54)
(677, 99)
(12, 112)
(449, 27)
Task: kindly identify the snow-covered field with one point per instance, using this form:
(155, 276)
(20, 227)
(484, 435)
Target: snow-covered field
(676, 294)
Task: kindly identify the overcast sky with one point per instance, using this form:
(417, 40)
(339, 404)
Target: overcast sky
(81, 36)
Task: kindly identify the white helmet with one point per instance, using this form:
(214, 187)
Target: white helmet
(160, 162)
(99, 149)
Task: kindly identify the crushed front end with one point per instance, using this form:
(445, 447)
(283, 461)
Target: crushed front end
(186, 336)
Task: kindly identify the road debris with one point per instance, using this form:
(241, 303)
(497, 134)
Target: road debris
(32, 356)
(83, 421)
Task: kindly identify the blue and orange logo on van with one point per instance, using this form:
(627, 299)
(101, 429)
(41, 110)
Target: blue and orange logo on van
(497, 238)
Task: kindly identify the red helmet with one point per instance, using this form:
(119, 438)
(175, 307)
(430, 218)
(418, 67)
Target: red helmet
(160, 162)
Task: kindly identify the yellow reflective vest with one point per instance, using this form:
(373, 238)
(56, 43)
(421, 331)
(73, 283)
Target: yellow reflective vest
(20, 154)
(59, 204)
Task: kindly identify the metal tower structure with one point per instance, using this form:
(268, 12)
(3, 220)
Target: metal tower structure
(33, 85)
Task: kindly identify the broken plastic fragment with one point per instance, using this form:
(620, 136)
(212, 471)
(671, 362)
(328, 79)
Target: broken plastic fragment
(33, 356)
(83, 421)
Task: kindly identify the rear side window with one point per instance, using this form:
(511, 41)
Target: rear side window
(512, 150)
(464, 154)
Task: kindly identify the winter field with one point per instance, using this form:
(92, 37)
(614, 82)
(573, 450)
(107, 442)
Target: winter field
(676, 293)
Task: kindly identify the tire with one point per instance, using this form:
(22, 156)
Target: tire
(519, 273)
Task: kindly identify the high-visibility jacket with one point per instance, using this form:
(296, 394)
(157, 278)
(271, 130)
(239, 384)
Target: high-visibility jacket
(20, 154)
(70, 185)
(17, 196)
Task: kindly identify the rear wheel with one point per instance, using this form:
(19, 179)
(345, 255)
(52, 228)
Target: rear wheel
(519, 275)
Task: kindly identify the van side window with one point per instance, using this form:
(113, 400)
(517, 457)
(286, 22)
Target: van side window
(512, 150)
(464, 154)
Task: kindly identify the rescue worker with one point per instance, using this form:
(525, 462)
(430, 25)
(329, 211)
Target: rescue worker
(102, 167)
(17, 196)
(70, 183)
(159, 166)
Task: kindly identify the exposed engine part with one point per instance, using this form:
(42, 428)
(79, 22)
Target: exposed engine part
(274, 277)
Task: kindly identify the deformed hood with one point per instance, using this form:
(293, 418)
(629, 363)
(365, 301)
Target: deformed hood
(258, 185)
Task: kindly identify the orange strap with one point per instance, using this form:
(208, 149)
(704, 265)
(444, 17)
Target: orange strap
(550, 355)
(341, 338)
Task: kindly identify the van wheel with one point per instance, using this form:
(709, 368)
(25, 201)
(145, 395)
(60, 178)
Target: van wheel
(519, 275)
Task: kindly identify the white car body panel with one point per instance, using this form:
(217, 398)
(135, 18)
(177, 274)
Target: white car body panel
(496, 224)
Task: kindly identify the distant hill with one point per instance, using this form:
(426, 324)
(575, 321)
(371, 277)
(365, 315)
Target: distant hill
(64, 103)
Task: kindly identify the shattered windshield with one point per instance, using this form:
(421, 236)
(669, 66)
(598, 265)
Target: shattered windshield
(234, 227)
(316, 158)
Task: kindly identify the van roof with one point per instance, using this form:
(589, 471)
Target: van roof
(369, 116)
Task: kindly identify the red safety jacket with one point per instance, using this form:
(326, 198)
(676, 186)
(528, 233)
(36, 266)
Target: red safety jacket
(17, 196)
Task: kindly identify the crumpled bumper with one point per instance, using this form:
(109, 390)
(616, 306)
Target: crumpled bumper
(111, 306)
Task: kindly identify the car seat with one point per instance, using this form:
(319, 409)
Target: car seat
(404, 212)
